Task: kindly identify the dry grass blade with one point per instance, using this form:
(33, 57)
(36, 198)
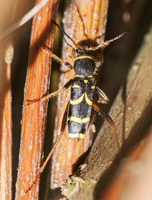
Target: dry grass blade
(23, 20)
(34, 117)
(6, 127)
(133, 180)
(68, 152)
(100, 164)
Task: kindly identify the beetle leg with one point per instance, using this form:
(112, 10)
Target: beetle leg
(53, 94)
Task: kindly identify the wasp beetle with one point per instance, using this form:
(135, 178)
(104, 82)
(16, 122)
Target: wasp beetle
(83, 87)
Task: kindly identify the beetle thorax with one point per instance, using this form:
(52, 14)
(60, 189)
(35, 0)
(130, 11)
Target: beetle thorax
(84, 64)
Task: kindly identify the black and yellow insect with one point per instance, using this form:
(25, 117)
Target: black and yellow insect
(83, 87)
(82, 94)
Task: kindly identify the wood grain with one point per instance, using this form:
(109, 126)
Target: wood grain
(34, 116)
(68, 155)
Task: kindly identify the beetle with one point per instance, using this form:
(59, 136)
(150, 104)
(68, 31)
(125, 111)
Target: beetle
(83, 87)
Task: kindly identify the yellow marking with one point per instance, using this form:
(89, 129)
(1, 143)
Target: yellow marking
(82, 57)
(92, 87)
(79, 120)
(86, 81)
(75, 86)
(76, 135)
(89, 102)
(79, 100)
(79, 75)
(81, 135)
(85, 120)
(75, 119)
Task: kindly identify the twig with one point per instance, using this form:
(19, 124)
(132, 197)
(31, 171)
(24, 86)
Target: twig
(68, 153)
(100, 165)
(34, 117)
(24, 19)
(6, 127)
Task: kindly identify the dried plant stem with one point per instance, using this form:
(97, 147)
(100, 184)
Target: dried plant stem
(24, 19)
(133, 180)
(34, 116)
(67, 153)
(6, 129)
(94, 178)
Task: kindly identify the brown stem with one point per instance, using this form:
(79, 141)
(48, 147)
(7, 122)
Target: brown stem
(6, 127)
(67, 155)
(133, 176)
(34, 117)
(100, 165)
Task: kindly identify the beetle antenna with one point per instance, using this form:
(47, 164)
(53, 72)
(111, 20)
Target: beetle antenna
(106, 43)
(63, 31)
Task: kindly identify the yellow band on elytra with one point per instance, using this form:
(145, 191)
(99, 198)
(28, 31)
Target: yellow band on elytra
(79, 100)
(89, 102)
(79, 120)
